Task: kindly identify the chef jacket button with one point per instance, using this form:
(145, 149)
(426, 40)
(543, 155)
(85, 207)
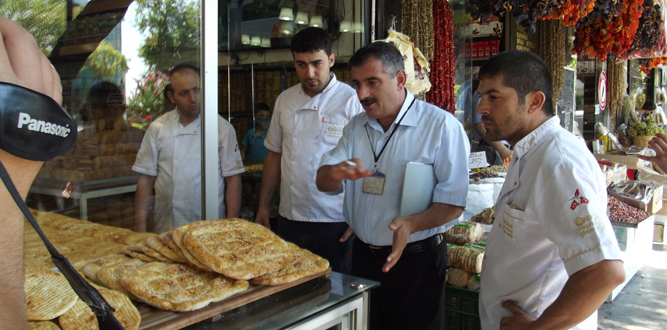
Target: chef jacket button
(317, 137)
(174, 179)
(308, 184)
(195, 131)
(312, 161)
(523, 160)
(515, 183)
(315, 107)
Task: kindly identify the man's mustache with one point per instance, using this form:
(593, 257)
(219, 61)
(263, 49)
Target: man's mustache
(368, 101)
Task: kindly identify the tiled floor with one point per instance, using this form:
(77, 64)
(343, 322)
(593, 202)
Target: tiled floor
(642, 304)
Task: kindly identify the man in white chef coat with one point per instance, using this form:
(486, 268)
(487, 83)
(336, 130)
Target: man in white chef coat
(170, 161)
(552, 257)
(307, 121)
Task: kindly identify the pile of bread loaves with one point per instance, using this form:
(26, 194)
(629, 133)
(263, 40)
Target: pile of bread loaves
(184, 269)
(105, 149)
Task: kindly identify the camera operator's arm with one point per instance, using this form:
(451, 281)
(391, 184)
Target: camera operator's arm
(23, 64)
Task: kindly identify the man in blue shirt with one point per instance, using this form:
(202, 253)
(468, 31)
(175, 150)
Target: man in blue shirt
(252, 145)
(406, 254)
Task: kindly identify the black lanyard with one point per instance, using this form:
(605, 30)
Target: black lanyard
(377, 156)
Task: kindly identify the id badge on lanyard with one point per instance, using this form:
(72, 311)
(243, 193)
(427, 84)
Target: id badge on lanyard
(374, 184)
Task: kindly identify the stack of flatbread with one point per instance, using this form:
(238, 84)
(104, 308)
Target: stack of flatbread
(235, 248)
(50, 298)
(77, 240)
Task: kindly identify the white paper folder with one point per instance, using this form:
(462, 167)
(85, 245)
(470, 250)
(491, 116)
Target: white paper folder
(418, 185)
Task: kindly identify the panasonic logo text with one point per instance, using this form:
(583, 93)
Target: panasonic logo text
(42, 126)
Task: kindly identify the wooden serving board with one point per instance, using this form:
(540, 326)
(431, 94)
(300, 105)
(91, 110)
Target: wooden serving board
(153, 318)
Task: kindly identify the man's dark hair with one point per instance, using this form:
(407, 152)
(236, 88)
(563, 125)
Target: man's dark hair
(262, 106)
(181, 67)
(311, 39)
(167, 88)
(524, 71)
(648, 105)
(388, 54)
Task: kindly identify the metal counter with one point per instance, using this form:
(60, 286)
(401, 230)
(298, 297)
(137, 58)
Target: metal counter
(341, 301)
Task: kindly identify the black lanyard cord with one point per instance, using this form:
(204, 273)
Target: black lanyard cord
(83, 289)
(377, 156)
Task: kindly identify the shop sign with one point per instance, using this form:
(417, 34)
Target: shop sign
(67, 91)
(602, 90)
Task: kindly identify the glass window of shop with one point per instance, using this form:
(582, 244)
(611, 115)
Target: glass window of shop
(114, 59)
(256, 65)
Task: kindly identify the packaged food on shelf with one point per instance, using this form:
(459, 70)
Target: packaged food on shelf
(463, 233)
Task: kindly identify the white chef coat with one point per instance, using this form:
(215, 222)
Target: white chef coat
(302, 129)
(173, 154)
(551, 221)
(428, 135)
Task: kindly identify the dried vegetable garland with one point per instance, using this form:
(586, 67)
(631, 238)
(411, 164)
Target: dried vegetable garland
(442, 65)
(615, 89)
(552, 51)
(417, 22)
(524, 12)
(570, 11)
(648, 64)
(613, 36)
(649, 34)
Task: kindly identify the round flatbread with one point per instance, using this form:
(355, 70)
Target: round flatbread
(237, 248)
(305, 264)
(47, 294)
(42, 325)
(179, 287)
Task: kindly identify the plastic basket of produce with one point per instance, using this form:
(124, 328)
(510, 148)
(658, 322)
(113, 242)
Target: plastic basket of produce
(461, 309)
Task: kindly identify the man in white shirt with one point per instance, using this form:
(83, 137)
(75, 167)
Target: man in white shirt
(552, 257)
(170, 161)
(308, 120)
(406, 255)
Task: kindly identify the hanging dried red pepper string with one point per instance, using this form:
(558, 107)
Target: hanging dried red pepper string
(442, 64)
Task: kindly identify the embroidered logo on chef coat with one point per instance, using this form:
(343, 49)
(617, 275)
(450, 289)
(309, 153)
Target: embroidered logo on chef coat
(577, 200)
(236, 148)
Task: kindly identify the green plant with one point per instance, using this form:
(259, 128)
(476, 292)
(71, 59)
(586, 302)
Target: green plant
(146, 101)
(646, 128)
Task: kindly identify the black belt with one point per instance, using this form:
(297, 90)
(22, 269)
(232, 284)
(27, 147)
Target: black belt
(411, 248)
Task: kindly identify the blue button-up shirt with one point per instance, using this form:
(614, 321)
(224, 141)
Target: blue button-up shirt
(426, 135)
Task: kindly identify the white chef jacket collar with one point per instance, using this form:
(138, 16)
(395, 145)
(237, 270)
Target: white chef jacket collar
(409, 120)
(331, 84)
(536, 137)
(191, 128)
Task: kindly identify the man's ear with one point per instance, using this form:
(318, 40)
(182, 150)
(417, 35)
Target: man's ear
(170, 95)
(401, 79)
(332, 59)
(535, 101)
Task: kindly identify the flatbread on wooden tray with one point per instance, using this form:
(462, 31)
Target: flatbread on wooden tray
(109, 275)
(42, 325)
(81, 317)
(179, 287)
(91, 267)
(168, 240)
(305, 263)
(237, 248)
(177, 236)
(155, 242)
(47, 294)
